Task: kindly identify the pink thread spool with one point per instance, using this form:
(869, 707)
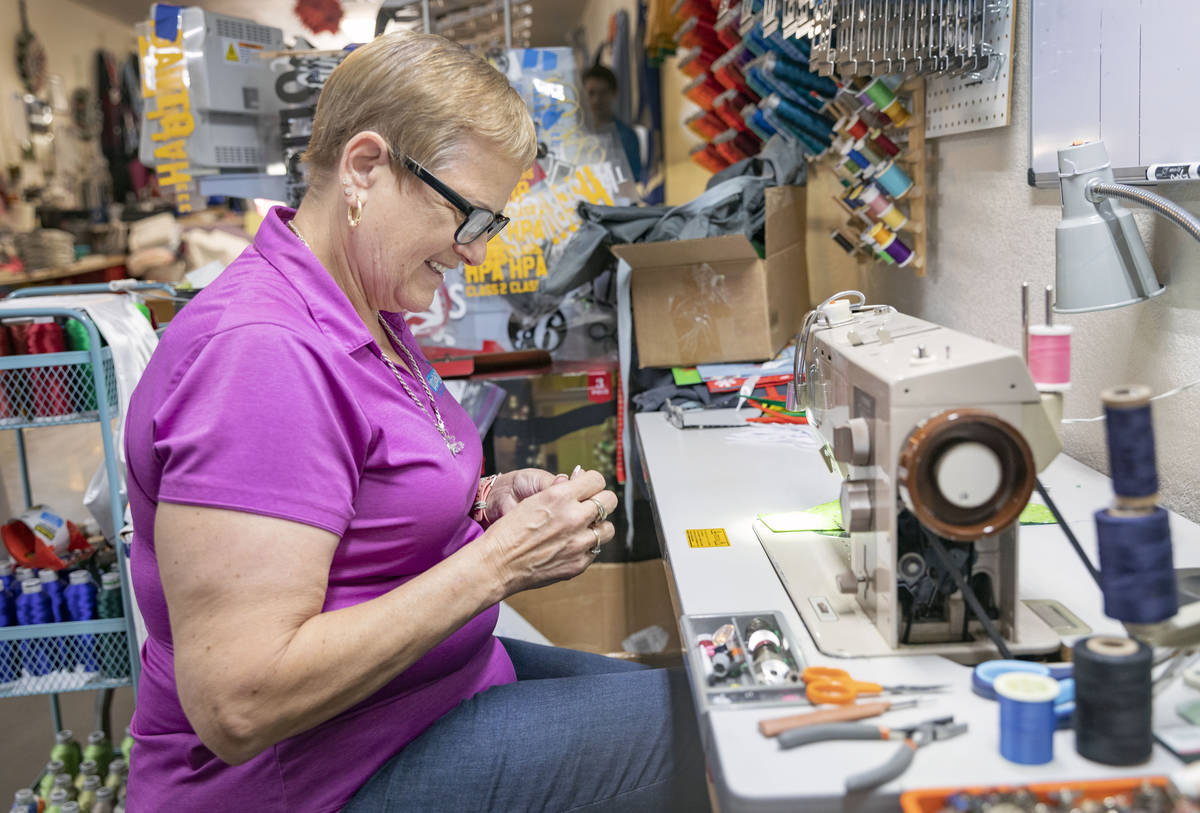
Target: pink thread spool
(1050, 357)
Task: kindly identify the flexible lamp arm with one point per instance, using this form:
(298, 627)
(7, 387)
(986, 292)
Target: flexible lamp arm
(1097, 189)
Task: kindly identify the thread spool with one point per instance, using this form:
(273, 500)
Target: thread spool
(1050, 357)
(727, 30)
(705, 124)
(81, 597)
(875, 249)
(1027, 719)
(893, 180)
(855, 128)
(897, 113)
(898, 251)
(868, 149)
(883, 143)
(706, 155)
(1113, 700)
(703, 90)
(759, 124)
(1137, 568)
(879, 93)
(1130, 433)
(841, 240)
(33, 607)
(883, 209)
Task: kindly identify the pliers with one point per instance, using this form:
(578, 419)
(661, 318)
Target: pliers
(940, 728)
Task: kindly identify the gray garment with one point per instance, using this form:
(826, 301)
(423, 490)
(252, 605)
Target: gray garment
(734, 202)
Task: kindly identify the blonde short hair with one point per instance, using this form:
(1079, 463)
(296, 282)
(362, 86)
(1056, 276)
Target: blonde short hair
(425, 95)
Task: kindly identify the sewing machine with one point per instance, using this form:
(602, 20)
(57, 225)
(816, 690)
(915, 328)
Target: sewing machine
(939, 437)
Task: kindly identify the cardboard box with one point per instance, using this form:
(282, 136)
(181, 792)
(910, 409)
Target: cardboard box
(605, 605)
(711, 300)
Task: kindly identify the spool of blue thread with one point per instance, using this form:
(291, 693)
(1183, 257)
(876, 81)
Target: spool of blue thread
(81, 596)
(33, 607)
(1137, 568)
(799, 76)
(1129, 429)
(893, 180)
(53, 589)
(807, 120)
(759, 124)
(1027, 718)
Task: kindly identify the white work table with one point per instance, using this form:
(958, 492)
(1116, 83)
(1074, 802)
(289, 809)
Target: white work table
(708, 478)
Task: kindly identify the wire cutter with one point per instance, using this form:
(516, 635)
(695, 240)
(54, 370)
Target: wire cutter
(824, 684)
(940, 728)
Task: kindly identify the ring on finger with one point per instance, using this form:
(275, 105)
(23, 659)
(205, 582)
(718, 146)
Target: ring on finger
(596, 550)
(602, 512)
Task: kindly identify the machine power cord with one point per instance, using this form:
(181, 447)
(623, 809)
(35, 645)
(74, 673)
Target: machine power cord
(968, 594)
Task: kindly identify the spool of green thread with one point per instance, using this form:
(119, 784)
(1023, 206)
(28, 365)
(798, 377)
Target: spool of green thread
(113, 662)
(880, 93)
(67, 751)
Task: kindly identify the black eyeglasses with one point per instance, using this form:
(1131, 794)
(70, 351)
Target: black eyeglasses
(479, 221)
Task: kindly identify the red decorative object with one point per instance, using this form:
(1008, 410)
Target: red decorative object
(320, 16)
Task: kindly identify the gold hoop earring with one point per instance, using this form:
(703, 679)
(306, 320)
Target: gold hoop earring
(354, 212)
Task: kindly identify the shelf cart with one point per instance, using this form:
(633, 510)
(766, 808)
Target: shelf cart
(55, 389)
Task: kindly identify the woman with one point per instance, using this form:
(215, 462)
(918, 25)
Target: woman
(316, 558)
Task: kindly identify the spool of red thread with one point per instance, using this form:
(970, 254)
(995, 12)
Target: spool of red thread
(1050, 357)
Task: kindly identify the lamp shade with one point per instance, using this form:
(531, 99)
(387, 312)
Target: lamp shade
(1100, 261)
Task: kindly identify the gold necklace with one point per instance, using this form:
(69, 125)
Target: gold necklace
(454, 445)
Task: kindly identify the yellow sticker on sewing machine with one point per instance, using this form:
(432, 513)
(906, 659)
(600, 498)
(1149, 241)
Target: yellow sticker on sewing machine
(707, 538)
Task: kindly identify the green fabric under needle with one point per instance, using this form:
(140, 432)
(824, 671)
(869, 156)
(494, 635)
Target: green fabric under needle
(827, 518)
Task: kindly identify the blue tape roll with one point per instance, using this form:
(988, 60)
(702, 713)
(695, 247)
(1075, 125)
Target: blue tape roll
(1027, 717)
(1130, 434)
(1137, 568)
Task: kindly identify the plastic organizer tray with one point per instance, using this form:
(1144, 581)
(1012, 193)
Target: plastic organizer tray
(46, 389)
(67, 657)
(750, 683)
(933, 800)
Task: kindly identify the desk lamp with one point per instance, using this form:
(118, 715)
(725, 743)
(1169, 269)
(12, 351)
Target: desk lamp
(1100, 261)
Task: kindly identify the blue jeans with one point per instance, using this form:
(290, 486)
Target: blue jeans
(576, 732)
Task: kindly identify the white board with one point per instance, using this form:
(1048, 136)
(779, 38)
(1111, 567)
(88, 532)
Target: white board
(1120, 71)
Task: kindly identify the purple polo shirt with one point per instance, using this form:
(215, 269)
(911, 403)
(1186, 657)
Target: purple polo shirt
(268, 395)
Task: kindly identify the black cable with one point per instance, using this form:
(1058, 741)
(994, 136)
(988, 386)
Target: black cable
(968, 594)
(1066, 529)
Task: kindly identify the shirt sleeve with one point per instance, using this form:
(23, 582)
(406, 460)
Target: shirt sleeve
(259, 422)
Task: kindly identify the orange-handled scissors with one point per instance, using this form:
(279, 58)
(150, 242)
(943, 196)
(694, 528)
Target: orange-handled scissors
(825, 684)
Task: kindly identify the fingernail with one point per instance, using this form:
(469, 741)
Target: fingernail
(576, 471)
(561, 478)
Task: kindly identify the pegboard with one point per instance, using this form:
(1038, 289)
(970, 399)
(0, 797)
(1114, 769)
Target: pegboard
(963, 104)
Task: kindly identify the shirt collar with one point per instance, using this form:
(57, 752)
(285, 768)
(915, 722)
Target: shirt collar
(326, 301)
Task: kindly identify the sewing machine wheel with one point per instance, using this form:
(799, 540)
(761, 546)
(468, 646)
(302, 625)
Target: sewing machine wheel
(965, 473)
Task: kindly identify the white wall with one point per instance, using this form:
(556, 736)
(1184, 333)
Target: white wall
(71, 34)
(991, 231)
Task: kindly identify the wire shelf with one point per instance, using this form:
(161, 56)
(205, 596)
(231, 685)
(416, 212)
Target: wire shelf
(51, 389)
(68, 657)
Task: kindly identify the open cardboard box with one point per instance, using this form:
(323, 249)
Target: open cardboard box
(713, 299)
(602, 607)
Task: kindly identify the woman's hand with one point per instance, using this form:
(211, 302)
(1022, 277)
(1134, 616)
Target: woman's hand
(550, 535)
(512, 487)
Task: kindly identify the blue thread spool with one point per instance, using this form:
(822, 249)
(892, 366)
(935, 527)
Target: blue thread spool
(1130, 433)
(1137, 570)
(81, 596)
(33, 607)
(799, 76)
(805, 118)
(757, 122)
(1027, 718)
(893, 180)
